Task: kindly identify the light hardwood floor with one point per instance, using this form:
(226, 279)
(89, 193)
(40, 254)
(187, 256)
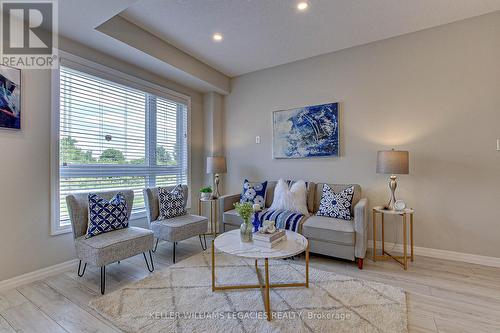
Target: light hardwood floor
(443, 296)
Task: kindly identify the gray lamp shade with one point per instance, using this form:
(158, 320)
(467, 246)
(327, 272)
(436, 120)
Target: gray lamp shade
(393, 162)
(216, 164)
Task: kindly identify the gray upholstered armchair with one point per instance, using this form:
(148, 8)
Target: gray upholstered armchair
(109, 247)
(174, 229)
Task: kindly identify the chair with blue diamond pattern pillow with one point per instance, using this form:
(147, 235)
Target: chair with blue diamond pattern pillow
(177, 228)
(109, 247)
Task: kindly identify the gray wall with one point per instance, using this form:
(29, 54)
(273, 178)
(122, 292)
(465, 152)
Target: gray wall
(25, 243)
(435, 93)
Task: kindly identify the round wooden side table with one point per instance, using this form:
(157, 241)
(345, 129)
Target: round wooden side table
(405, 213)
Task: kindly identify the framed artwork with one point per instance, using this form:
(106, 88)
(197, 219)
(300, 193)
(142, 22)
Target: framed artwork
(10, 97)
(309, 131)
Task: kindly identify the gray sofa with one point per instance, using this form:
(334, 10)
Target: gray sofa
(327, 236)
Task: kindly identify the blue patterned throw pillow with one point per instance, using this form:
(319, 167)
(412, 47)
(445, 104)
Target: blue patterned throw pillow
(254, 192)
(105, 216)
(336, 205)
(171, 202)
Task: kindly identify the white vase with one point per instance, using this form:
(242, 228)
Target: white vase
(206, 196)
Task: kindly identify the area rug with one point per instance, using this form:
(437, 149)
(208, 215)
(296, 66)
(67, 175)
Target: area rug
(180, 299)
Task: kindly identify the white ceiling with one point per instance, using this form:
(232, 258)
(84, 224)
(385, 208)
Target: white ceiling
(257, 33)
(78, 20)
(263, 33)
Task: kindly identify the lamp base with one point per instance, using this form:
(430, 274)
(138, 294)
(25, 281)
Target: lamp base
(392, 200)
(216, 194)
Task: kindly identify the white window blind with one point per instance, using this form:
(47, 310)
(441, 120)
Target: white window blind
(113, 137)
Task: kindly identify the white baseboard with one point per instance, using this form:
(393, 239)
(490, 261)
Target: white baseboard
(441, 254)
(37, 275)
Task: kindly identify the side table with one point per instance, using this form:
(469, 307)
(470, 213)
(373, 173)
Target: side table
(213, 214)
(402, 260)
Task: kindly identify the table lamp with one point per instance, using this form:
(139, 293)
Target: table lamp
(216, 165)
(392, 162)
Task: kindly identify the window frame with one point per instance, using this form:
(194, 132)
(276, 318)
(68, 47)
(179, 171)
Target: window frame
(106, 73)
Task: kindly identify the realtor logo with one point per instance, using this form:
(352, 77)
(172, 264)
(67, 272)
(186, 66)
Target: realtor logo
(29, 34)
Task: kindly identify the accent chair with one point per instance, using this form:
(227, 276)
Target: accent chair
(175, 229)
(109, 247)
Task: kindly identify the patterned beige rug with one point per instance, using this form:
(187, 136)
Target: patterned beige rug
(180, 299)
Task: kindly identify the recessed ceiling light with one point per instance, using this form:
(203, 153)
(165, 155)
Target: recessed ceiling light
(217, 37)
(302, 5)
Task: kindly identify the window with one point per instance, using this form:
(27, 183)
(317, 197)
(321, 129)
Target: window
(112, 137)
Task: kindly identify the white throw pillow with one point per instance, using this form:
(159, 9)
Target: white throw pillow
(293, 199)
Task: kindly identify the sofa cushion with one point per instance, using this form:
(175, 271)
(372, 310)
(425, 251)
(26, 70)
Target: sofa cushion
(114, 245)
(179, 228)
(336, 205)
(337, 188)
(329, 230)
(254, 192)
(292, 197)
(310, 193)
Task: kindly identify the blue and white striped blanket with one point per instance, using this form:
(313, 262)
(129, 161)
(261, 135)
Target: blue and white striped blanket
(284, 219)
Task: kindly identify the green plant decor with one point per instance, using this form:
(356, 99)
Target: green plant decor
(207, 189)
(245, 210)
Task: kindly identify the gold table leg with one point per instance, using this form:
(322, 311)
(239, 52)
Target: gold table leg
(215, 231)
(411, 235)
(402, 260)
(264, 284)
(211, 218)
(383, 235)
(405, 244)
(374, 220)
(213, 265)
(267, 300)
(307, 265)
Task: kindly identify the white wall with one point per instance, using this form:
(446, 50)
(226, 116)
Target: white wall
(212, 109)
(25, 243)
(435, 93)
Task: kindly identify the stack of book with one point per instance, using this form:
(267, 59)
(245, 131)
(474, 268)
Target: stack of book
(269, 240)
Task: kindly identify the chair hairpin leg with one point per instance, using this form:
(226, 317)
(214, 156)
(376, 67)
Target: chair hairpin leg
(205, 239)
(152, 268)
(103, 279)
(156, 245)
(80, 274)
(173, 255)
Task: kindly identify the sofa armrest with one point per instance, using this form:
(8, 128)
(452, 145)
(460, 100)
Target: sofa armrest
(361, 227)
(226, 202)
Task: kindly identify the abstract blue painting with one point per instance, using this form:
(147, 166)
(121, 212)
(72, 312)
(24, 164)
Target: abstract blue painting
(310, 131)
(10, 97)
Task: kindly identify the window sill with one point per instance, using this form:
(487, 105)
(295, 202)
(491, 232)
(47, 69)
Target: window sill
(61, 231)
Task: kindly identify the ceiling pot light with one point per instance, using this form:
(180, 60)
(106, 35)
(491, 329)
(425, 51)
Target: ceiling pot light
(302, 5)
(217, 37)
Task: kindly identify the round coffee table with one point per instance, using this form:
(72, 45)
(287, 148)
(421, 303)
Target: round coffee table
(230, 243)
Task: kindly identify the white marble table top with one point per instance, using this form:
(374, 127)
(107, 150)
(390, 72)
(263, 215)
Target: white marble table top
(381, 209)
(230, 243)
